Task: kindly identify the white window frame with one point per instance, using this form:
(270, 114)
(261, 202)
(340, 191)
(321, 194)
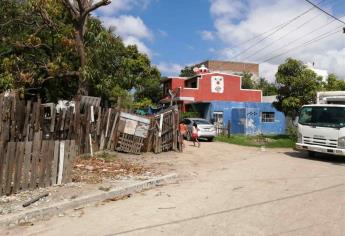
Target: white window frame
(266, 117)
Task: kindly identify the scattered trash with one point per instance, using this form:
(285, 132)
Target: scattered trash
(28, 203)
(118, 198)
(237, 188)
(93, 170)
(103, 188)
(26, 223)
(166, 208)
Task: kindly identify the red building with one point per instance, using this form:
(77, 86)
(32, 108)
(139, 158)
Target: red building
(206, 87)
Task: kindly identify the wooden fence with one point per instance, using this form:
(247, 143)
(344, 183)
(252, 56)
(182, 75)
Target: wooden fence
(32, 164)
(35, 136)
(93, 128)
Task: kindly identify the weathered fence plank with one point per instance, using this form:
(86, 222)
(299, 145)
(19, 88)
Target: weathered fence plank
(27, 165)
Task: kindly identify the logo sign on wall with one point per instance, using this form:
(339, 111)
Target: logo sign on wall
(217, 84)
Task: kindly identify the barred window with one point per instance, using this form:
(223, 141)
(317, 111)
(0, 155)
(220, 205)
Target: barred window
(267, 117)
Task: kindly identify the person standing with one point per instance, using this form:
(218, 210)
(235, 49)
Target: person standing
(195, 134)
(183, 133)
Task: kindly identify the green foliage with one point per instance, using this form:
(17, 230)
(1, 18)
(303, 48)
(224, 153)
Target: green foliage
(268, 89)
(144, 103)
(191, 114)
(187, 71)
(247, 81)
(297, 86)
(38, 50)
(334, 84)
(107, 156)
(37, 46)
(292, 131)
(271, 141)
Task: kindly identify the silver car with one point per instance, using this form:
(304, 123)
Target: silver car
(205, 128)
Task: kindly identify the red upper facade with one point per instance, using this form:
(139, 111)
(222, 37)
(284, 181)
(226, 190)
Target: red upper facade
(209, 87)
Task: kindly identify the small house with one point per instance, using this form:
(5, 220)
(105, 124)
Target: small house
(219, 98)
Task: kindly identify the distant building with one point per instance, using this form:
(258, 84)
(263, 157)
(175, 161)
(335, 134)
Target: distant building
(269, 99)
(218, 97)
(231, 67)
(319, 72)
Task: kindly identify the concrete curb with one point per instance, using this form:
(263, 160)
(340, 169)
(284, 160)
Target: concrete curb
(55, 209)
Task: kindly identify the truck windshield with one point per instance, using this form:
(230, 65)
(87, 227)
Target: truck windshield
(323, 116)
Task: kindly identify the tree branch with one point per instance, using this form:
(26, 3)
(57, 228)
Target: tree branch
(71, 8)
(97, 5)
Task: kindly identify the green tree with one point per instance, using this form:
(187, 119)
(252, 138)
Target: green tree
(247, 81)
(39, 53)
(334, 84)
(268, 89)
(79, 14)
(36, 47)
(297, 86)
(187, 71)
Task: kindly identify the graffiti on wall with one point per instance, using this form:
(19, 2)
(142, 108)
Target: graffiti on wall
(217, 84)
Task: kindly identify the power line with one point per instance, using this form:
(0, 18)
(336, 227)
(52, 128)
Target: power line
(299, 38)
(289, 32)
(314, 40)
(329, 14)
(277, 30)
(277, 40)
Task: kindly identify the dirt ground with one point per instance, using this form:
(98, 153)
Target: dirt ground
(223, 189)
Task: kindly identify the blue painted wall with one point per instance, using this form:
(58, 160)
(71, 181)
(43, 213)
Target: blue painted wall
(245, 117)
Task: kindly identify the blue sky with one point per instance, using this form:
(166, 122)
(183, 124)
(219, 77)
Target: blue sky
(175, 33)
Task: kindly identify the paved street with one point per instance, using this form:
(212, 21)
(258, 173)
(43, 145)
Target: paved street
(223, 190)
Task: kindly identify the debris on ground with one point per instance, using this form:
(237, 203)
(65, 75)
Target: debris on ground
(35, 199)
(94, 170)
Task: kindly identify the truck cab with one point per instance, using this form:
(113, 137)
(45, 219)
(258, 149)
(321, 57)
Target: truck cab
(321, 126)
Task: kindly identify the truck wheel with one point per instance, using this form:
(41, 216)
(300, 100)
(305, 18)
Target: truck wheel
(311, 154)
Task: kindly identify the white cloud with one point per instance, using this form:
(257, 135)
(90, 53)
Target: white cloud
(132, 30)
(268, 71)
(127, 25)
(117, 6)
(238, 21)
(229, 9)
(162, 33)
(212, 50)
(207, 35)
(169, 69)
(129, 40)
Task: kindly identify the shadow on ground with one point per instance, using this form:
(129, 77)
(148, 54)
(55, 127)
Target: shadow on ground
(336, 160)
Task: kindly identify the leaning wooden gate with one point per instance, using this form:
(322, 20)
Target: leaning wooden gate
(166, 130)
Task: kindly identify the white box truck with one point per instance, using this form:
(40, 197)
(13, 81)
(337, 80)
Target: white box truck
(321, 126)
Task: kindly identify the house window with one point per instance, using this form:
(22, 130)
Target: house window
(218, 118)
(191, 83)
(267, 117)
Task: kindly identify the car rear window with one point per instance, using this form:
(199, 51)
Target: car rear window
(202, 122)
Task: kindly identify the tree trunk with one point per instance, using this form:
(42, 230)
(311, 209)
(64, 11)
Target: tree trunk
(83, 88)
(80, 10)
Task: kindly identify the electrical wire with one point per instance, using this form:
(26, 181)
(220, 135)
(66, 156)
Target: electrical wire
(314, 40)
(293, 41)
(277, 30)
(299, 38)
(329, 14)
(288, 33)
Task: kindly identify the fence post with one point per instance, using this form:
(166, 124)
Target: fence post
(229, 128)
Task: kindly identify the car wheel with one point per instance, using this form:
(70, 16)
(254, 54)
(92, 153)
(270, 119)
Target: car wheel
(210, 139)
(311, 154)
